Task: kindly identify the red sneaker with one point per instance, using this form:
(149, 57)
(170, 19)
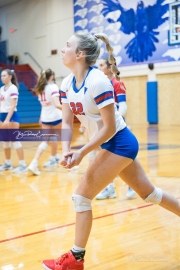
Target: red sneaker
(65, 262)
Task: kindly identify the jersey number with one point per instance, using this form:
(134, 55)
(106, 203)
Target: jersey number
(77, 108)
(43, 97)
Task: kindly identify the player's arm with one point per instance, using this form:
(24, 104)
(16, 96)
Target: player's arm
(122, 108)
(67, 127)
(11, 111)
(102, 93)
(40, 118)
(55, 96)
(56, 102)
(106, 132)
(120, 91)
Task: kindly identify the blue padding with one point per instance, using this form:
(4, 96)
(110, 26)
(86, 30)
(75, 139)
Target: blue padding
(152, 102)
(3, 50)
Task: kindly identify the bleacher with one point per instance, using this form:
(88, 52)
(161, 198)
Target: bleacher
(0, 78)
(28, 106)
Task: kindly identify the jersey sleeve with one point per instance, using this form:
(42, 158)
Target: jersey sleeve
(103, 93)
(120, 91)
(54, 91)
(63, 92)
(14, 92)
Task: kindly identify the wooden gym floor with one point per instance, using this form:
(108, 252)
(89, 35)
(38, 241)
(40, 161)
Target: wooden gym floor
(37, 216)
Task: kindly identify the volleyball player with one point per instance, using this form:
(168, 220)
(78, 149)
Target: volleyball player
(120, 101)
(88, 94)
(51, 117)
(10, 119)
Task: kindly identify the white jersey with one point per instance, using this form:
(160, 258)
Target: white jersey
(49, 113)
(6, 96)
(95, 93)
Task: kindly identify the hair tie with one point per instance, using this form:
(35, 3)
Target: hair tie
(103, 37)
(95, 38)
(118, 73)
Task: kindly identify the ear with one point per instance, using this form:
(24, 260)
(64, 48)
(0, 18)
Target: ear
(79, 54)
(109, 67)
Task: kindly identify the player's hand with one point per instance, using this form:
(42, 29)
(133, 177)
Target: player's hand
(71, 159)
(66, 160)
(5, 124)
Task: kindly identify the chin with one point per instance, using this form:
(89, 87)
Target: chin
(66, 64)
(64, 61)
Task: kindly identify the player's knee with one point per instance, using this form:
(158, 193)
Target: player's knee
(17, 145)
(155, 197)
(81, 204)
(6, 145)
(43, 146)
(53, 139)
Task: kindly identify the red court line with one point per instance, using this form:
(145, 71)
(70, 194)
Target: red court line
(71, 224)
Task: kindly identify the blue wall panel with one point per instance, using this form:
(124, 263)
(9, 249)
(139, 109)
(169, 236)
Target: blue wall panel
(152, 102)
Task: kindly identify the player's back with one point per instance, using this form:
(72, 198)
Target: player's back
(49, 111)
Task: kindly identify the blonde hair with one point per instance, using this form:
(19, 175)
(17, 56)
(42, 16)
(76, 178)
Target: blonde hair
(112, 59)
(90, 46)
(44, 77)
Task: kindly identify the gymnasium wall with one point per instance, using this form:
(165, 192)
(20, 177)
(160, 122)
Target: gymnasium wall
(136, 99)
(168, 99)
(40, 26)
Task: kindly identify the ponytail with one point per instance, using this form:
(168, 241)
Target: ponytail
(44, 77)
(111, 59)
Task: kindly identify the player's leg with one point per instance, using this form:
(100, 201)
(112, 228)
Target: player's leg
(6, 147)
(108, 192)
(7, 153)
(135, 177)
(130, 193)
(18, 147)
(99, 174)
(33, 167)
(55, 157)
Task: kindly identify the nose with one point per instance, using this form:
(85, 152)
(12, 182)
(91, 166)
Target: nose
(62, 50)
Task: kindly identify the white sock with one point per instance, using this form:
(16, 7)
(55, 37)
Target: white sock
(35, 161)
(57, 156)
(8, 161)
(53, 158)
(22, 162)
(77, 249)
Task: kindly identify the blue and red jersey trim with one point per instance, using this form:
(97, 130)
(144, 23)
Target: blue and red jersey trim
(63, 94)
(103, 97)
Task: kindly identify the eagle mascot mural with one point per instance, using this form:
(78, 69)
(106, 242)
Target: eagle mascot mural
(142, 23)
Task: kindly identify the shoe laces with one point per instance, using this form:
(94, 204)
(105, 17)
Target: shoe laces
(105, 190)
(63, 258)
